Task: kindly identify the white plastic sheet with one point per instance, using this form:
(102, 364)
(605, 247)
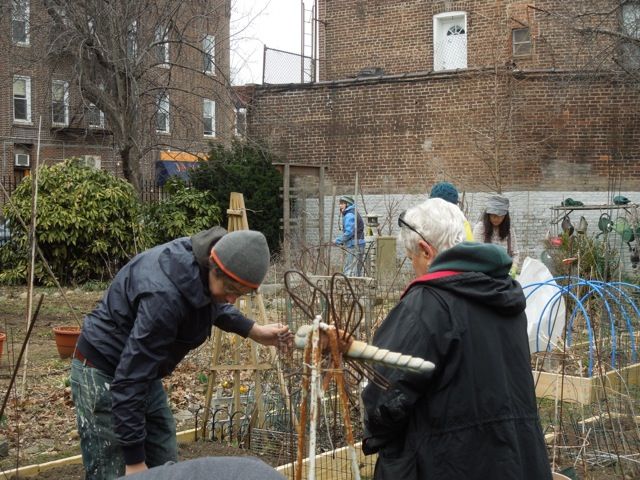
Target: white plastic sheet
(545, 306)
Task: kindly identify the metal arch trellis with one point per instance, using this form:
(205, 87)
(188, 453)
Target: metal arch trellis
(330, 353)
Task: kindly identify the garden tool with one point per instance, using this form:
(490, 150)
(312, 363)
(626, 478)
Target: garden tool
(604, 224)
(570, 202)
(363, 352)
(566, 225)
(634, 257)
(621, 200)
(582, 225)
(623, 229)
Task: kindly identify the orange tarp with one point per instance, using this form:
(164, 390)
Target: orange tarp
(182, 156)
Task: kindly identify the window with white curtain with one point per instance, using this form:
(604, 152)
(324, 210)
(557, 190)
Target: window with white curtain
(162, 114)
(60, 102)
(209, 117)
(209, 54)
(20, 22)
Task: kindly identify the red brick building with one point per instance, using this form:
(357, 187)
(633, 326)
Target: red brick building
(495, 96)
(183, 102)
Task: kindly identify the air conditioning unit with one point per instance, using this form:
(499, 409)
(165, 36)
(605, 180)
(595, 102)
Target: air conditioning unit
(92, 161)
(22, 159)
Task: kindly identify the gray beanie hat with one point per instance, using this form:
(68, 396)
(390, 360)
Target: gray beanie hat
(243, 255)
(497, 205)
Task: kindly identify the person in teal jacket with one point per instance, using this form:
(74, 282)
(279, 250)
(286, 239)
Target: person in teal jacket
(351, 229)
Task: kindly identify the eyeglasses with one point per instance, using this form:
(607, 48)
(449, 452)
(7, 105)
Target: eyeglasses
(233, 289)
(403, 223)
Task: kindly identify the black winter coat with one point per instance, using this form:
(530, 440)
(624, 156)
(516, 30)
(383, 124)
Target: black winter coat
(475, 416)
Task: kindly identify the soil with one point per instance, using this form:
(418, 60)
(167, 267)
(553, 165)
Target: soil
(186, 451)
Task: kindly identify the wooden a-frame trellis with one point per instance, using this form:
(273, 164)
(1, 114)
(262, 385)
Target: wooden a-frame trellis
(237, 216)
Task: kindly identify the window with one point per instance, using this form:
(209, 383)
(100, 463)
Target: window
(132, 41)
(60, 15)
(631, 19)
(60, 102)
(21, 99)
(241, 122)
(521, 41)
(91, 26)
(20, 22)
(209, 52)
(162, 115)
(450, 41)
(631, 28)
(162, 46)
(95, 116)
(209, 118)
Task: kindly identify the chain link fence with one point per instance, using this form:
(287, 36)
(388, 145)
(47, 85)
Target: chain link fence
(280, 67)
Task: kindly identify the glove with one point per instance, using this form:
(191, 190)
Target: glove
(513, 272)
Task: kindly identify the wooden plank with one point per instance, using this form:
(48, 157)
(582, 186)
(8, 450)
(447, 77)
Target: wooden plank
(186, 436)
(567, 388)
(585, 390)
(32, 470)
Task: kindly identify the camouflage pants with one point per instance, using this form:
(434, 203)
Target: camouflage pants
(101, 453)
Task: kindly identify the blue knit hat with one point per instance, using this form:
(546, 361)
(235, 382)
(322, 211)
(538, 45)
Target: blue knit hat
(445, 191)
(346, 199)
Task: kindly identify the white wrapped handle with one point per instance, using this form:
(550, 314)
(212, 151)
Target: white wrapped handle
(368, 353)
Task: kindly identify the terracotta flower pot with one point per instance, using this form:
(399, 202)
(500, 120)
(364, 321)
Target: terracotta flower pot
(3, 337)
(66, 338)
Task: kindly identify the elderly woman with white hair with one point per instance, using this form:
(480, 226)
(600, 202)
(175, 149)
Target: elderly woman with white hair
(475, 416)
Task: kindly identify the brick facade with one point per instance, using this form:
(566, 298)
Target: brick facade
(562, 117)
(398, 36)
(550, 132)
(186, 100)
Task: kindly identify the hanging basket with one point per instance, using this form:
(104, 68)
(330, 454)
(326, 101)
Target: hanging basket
(3, 337)
(66, 338)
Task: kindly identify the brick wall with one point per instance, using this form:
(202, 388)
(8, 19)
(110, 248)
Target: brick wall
(485, 132)
(398, 36)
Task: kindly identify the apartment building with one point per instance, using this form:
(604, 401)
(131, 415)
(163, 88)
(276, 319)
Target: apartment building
(149, 90)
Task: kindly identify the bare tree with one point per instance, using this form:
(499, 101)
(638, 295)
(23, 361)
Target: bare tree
(141, 63)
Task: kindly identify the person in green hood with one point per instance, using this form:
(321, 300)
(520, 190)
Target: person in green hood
(475, 416)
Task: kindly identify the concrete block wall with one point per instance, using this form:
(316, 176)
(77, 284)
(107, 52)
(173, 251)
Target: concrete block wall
(530, 211)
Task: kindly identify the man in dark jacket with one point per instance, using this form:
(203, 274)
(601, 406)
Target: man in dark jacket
(475, 416)
(160, 305)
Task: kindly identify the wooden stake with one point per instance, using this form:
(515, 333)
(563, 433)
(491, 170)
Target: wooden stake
(32, 254)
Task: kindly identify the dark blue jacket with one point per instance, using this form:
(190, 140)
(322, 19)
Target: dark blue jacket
(156, 310)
